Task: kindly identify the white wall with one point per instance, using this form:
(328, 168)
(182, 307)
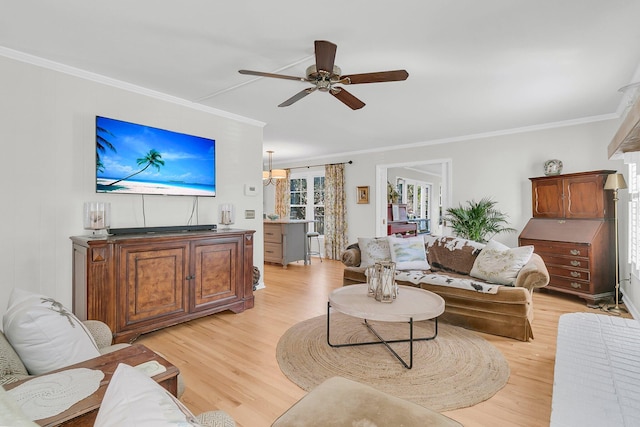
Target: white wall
(47, 170)
(497, 167)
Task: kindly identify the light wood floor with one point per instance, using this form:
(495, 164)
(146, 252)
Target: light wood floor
(228, 360)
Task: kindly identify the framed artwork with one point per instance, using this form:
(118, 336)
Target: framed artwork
(363, 195)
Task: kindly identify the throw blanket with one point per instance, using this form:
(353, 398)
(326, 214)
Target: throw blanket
(417, 277)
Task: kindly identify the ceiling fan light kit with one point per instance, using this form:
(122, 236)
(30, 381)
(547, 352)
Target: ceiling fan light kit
(324, 80)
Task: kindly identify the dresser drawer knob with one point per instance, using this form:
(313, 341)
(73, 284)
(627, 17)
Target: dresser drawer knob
(575, 263)
(575, 274)
(574, 252)
(576, 285)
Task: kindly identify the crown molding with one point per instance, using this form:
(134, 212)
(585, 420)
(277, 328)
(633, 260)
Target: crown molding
(119, 84)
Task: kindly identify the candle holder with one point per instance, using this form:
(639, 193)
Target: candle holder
(97, 217)
(372, 280)
(227, 215)
(386, 289)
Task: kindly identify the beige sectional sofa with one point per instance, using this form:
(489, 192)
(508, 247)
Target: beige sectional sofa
(473, 303)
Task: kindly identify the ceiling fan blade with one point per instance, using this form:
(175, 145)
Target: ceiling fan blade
(379, 77)
(325, 55)
(297, 97)
(277, 76)
(346, 98)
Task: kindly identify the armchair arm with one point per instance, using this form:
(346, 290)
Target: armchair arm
(351, 256)
(100, 331)
(533, 275)
(216, 419)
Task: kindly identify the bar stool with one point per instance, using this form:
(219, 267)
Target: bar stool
(310, 236)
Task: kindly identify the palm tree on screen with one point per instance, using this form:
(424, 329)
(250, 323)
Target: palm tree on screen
(153, 158)
(102, 143)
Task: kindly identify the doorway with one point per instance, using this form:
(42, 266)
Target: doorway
(436, 173)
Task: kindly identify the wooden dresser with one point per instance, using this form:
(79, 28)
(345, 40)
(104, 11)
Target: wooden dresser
(572, 229)
(139, 283)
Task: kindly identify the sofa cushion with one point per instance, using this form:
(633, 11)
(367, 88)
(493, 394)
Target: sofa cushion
(134, 399)
(373, 249)
(446, 279)
(45, 334)
(451, 253)
(409, 253)
(500, 264)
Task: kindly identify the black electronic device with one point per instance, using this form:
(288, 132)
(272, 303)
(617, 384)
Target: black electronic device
(164, 229)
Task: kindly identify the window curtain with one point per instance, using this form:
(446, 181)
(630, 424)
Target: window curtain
(335, 212)
(283, 197)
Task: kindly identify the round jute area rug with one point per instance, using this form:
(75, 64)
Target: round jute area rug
(455, 370)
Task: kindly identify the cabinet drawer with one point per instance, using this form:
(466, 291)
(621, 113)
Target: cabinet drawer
(273, 252)
(557, 248)
(567, 283)
(571, 262)
(272, 233)
(569, 273)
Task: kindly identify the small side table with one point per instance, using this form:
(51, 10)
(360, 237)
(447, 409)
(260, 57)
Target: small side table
(84, 412)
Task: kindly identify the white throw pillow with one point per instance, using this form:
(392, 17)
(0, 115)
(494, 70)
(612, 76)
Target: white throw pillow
(134, 399)
(10, 412)
(500, 264)
(409, 253)
(372, 250)
(45, 334)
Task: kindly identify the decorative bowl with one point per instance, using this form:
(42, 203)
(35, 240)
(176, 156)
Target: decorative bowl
(553, 167)
(273, 217)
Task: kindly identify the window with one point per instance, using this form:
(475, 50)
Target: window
(417, 195)
(307, 198)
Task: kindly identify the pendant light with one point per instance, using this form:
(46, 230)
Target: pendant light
(270, 176)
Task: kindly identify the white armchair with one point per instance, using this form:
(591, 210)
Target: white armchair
(12, 369)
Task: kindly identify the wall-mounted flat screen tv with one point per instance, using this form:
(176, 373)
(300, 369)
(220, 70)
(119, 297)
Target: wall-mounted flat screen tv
(138, 159)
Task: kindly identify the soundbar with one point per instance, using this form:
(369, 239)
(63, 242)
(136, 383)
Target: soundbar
(165, 229)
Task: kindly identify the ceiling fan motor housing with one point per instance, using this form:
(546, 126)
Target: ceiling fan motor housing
(323, 79)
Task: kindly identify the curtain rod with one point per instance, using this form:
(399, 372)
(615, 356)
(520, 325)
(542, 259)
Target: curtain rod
(330, 164)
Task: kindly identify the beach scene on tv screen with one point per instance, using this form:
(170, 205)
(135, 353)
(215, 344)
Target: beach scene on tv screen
(137, 159)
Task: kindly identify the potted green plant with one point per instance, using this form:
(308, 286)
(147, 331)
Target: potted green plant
(477, 221)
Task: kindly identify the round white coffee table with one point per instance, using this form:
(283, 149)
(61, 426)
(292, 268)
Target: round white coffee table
(411, 305)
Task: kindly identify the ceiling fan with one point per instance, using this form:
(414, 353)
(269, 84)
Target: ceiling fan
(325, 75)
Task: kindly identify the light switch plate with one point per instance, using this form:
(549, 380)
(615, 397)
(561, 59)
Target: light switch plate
(250, 214)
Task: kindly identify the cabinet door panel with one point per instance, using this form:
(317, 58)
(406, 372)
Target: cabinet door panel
(548, 199)
(584, 197)
(152, 283)
(215, 273)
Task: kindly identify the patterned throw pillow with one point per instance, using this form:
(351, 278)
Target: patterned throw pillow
(500, 264)
(409, 253)
(452, 253)
(373, 250)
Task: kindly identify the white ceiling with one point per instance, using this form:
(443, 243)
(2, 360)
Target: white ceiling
(475, 67)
